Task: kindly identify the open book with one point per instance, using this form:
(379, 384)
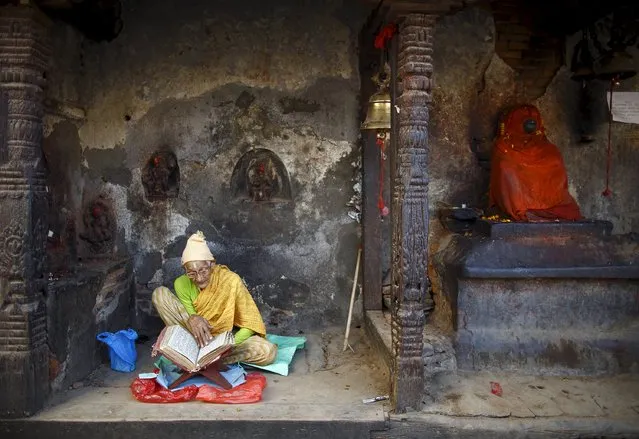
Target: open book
(178, 345)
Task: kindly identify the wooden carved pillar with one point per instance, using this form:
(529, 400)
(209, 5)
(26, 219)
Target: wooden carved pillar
(24, 360)
(410, 207)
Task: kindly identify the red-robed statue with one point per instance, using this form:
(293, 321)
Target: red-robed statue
(528, 178)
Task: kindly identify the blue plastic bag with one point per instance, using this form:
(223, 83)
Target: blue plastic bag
(121, 349)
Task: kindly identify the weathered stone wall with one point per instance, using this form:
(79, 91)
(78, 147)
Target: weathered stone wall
(210, 82)
(79, 307)
(62, 149)
(473, 85)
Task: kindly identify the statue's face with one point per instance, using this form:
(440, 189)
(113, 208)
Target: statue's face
(199, 272)
(530, 126)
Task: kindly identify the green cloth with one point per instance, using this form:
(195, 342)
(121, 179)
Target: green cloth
(286, 347)
(187, 292)
(242, 335)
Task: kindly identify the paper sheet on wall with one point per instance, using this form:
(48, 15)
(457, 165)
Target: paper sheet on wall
(625, 106)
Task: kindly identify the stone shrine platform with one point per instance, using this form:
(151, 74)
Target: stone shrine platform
(554, 298)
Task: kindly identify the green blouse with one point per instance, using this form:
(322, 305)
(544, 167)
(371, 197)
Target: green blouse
(187, 292)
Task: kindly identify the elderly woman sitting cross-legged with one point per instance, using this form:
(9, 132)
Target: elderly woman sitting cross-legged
(211, 299)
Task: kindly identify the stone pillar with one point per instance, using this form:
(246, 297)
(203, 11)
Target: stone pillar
(24, 359)
(409, 239)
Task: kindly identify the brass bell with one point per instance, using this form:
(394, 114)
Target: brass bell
(378, 114)
(616, 64)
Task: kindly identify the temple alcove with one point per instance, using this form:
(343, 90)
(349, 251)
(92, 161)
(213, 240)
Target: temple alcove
(161, 176)
(261, 177)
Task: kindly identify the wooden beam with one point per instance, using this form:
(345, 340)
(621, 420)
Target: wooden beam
(371, 223)
(409, 260)
(398, 8)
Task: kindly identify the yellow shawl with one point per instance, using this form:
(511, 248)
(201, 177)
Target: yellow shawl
(226, 303)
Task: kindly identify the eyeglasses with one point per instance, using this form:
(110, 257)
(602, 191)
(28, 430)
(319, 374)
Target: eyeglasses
(202, 272)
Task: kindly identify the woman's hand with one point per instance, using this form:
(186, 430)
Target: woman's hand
(200, 328)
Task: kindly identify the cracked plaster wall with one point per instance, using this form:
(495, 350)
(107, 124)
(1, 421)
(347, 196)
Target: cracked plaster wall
(211, 81)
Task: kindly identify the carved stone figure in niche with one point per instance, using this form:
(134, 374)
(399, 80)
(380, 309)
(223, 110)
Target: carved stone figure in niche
(528, 176)
(260, 176)
(161, 176)
(99, 226)
(263, 180)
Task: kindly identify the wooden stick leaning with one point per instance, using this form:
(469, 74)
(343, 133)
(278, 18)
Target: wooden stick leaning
(350, 309)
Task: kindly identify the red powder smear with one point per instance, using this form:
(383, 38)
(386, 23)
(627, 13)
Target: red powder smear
(495, 388)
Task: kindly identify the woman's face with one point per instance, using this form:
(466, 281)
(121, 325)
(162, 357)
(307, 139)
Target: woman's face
(199, 272)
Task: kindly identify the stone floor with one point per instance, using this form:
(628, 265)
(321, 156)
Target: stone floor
(322, 397)
(460, 404)
(469, 394)
(325, 385)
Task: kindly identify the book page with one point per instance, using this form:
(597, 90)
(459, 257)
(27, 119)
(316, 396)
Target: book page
(181, 341)
(220, 340)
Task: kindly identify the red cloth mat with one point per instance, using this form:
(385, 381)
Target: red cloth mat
(247, 393)
(148, 390)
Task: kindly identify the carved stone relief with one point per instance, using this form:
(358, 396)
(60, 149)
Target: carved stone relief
(12, 251)
(260, 176)
(24, 57)
(161, 176)
(99, 227)
(4, 116)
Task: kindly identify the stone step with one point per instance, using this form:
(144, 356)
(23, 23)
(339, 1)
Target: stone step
(171, 428)
(530, 304)
(550, 352)
(423, 425)
(118, 415)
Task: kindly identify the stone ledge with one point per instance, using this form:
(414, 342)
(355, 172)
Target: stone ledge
(417, 425)
(378, 329)
(549, 250)
(236, 427)
(438, 353)
(549, 353)
(546, 230)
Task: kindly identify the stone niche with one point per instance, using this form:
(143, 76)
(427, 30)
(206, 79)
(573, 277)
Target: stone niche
(97, 298)
(98, 234)
(261, 177)
(161, 176)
